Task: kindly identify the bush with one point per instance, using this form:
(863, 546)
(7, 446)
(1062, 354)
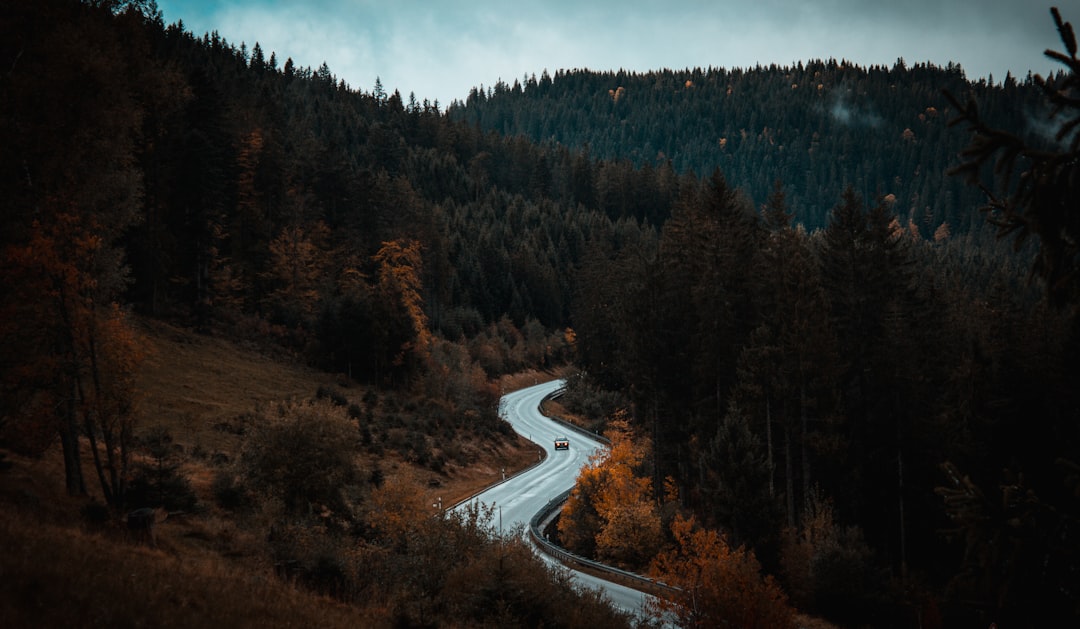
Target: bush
(829, 568)
(161, 482)
(230, 495)
(325, 392)
(456, 567)
(307, 554)
(303, 456)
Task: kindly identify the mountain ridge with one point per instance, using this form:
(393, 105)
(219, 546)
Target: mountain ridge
(816, 127)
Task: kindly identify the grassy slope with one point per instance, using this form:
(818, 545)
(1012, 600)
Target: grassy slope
(206, 568)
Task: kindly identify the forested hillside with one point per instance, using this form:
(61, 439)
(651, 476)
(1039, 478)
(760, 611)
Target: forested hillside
(886, 417)
(817, 126)
(147, 172)
(240, 193)
(820, 362)
(830, 355)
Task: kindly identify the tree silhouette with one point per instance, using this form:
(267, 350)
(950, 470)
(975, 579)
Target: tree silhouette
(1019, 560)
(72, 188)
(1036, 182)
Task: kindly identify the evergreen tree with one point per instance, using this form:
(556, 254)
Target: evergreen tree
(865, 270)
(72, 188)
(705, 254)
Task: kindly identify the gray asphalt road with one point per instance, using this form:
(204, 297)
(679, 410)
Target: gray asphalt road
(519, 498)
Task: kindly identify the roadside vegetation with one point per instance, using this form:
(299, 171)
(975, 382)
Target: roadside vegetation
(280, 511)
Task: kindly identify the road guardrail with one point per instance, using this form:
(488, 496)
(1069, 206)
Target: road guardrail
(559, 553)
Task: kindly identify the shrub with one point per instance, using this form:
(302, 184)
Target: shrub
(304, 456)
(306, 553)
(829, 568)
(229, 494)
(325, 392)
(160, 482)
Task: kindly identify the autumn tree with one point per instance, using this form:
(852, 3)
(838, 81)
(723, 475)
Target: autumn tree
(716, 585)
(579, 520)
(611, 513)
(72, 189)
(76, 356)
(109, 398)
(297, 262)
(455, 381)
(403, 337)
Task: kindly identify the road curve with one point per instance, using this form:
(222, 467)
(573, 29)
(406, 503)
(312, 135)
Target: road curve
(520, 497)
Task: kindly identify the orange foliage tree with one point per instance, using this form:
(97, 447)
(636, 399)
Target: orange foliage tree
(72, 352)
(395, 511)
(611, 513)
(297, 267)
(114, 352)
(715, 585)
(399, 292)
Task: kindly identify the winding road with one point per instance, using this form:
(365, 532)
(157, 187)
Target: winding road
(520, 497)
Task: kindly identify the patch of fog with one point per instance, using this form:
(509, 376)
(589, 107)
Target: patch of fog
(848, 113)
(1044, 127)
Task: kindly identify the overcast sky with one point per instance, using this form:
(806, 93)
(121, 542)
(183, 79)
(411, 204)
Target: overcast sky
(441, 49)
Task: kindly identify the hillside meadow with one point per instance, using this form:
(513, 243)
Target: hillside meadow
(67, 564)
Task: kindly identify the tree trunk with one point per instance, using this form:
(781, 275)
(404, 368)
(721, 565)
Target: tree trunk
(903, 531)
(900, 493)
(69, 443)
(769, 447)
(789, 481)
(802, 444)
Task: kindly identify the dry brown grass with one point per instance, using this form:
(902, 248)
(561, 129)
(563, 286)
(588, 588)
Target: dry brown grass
(61, 576)
(196, 386)
(207, 569)
(516, 381)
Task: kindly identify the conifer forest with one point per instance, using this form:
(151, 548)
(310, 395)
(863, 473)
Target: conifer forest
(827, 314)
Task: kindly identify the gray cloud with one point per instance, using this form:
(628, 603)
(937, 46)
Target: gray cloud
(443, 49)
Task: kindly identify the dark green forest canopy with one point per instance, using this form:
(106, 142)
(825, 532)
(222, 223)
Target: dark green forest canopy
(238, 155)
(238, 149)
(855, 335)
(818, 127)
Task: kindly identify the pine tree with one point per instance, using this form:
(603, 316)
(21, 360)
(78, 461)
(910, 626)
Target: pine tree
(706, 250)
(1035, 185)
(865, 269)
